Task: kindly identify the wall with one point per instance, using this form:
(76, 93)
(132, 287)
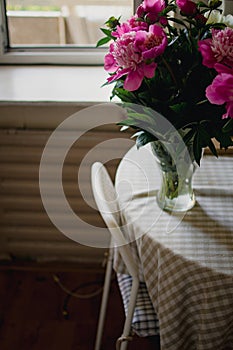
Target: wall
(27, 232)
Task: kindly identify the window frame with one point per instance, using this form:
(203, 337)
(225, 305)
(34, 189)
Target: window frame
(47, 55)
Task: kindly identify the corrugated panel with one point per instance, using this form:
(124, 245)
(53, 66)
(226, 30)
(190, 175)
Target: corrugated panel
(26, 230)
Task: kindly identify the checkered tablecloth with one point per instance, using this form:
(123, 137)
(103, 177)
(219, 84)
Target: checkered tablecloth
(186, 260)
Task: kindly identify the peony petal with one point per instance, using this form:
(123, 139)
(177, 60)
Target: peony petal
(149, 70)
(149, 3)
(213, 95)
(134, 80)
(220, 68)
(140, 10)
(118, 75)
(221, 89)
(187, 7)
(204, 46)
(110, 63)
(218, 49)
(156, 30)
(229, 108)
(140, 39)
(154, 6)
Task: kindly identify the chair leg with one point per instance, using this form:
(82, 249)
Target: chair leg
(104, 301)
(122, 342)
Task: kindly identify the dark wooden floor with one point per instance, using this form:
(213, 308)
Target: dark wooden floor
(32, 313)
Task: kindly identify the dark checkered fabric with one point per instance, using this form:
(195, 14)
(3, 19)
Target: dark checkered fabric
(145, 322)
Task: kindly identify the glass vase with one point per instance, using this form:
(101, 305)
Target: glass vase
(177, 170)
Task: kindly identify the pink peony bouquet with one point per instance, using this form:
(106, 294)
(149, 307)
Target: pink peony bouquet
(176, 58)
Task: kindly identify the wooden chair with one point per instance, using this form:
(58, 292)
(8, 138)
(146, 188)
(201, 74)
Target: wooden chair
(137, 303)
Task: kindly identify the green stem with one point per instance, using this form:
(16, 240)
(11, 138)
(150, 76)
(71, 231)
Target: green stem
(171, 184)
(170, 71)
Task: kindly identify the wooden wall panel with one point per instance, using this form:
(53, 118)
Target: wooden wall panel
(26, 231)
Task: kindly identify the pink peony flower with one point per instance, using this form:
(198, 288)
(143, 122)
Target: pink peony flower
(151, 43)
(219, 49)
(220, 68)
(136, 24)
(122, 29)
(187, 7)
(159, 57)
(163, 21)
(133, 54)
(200, 19)
(131, 25)
(150, 9)
(221, 91)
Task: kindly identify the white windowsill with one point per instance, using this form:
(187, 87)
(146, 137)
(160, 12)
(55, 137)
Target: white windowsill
(41, 97)
(29, 84)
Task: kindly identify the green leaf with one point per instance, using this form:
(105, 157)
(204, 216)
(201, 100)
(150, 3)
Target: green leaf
(168, 9)
(113, 22)
(212, 148)
(124, 95)
(107, 32)
(143, 138)
(214, 4)
(141, 124)
(179, 107)
(201, 4)
(228, 127)
(197, 148)
(141, 116)
(206, 141)
(176, 20)
(226, 142)
(202, 139)
(224, 139)
(127, 122)
(218, 25)
(103, 41)
(186, 138)
(204, 11)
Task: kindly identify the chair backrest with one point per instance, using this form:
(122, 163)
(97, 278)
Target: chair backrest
(107, 203)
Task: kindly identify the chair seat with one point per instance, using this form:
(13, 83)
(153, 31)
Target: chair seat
(145, 322)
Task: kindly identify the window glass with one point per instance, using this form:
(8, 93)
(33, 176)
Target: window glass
(69, 23)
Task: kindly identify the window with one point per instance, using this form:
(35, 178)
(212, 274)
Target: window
(56, 31)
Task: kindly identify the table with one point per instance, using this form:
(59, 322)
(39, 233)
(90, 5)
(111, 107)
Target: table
(185, 259)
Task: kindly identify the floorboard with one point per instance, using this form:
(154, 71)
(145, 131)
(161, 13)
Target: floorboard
(37, 314)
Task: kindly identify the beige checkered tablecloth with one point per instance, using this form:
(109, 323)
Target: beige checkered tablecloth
(185, 259)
